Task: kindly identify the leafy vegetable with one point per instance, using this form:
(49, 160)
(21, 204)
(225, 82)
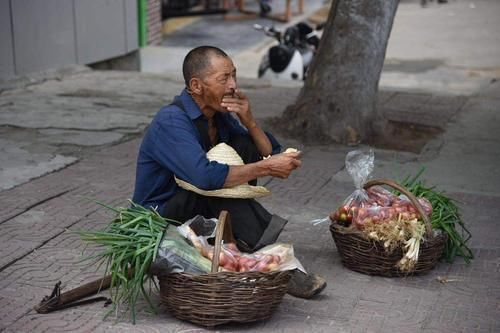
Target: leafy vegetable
(131, 241)
(445, 216)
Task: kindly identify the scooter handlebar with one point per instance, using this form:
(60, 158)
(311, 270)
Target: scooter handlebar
(258, 27)
(269, 31)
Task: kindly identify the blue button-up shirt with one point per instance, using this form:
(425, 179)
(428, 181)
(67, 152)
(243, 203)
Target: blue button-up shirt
(173, 145)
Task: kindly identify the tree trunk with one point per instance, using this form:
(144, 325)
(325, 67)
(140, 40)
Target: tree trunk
(338, 100)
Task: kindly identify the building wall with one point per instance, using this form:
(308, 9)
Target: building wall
(154, 22)
(38, 35)
(6, 47)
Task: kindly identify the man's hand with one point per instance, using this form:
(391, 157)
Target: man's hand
(240, 105)
(281, 165)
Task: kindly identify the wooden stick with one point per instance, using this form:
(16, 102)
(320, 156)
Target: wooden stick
(57, 300)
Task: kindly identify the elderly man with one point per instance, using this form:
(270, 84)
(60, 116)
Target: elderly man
(176, 143)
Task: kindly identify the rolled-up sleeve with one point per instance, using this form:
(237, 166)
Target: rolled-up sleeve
(177, 148)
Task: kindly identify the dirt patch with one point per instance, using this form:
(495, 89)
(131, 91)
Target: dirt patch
(400, 136)
(405, 137)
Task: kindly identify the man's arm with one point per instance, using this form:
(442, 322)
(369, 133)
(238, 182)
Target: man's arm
(280, 165)
(260, 139)
(177, 149)
(240, 105)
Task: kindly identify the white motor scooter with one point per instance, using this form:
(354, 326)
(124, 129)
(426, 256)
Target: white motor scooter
(291, 57)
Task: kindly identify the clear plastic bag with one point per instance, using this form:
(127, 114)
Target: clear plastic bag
(376, 204)
(359, 165)
(274, 257)
(375, 214)
(406, 206)
(226, 257)
(380, 196)
(175, 255)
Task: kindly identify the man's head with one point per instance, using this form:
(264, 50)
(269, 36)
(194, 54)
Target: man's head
(209, 75)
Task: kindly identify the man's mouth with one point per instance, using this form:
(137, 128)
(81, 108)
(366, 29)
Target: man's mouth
(230, 93)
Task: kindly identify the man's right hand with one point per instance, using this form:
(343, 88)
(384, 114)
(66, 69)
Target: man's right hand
(281, 165)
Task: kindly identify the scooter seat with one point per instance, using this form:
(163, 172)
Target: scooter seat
(279, 57)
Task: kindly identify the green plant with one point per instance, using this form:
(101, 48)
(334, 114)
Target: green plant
(130, 244)
(445, 216)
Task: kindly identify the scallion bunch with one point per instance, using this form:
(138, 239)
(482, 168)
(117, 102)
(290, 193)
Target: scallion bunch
(130, 244)
(445, 216)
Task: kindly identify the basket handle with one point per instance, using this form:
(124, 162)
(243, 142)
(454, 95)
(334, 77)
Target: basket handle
(411, 197)
(219, 236)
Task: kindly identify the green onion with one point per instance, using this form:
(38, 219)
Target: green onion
(445, 216)
(130, 244)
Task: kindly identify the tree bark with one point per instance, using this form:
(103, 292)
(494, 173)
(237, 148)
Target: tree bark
(338, 100)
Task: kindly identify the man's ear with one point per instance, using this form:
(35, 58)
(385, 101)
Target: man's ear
(195, 86)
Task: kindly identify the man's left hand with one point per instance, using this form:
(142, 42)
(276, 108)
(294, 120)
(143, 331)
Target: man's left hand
(240, 105)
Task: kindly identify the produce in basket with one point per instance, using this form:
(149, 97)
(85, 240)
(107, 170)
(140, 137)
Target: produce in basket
(223, 297)
(273, 257)
(378, 206)
(384, 217)
(380, 215)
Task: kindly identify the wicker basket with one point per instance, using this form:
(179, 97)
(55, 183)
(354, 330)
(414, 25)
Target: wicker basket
(364, 255)
(222, 297)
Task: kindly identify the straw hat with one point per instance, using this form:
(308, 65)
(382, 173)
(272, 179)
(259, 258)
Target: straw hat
(225, 154)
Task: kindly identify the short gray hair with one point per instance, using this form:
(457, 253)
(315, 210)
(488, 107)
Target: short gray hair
(198, 60)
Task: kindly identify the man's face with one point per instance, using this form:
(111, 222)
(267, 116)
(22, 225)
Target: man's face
(219, 81)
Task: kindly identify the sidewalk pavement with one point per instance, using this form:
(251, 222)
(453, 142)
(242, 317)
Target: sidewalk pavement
(39, 216)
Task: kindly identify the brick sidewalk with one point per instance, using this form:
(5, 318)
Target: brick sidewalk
(42, 250)
(39, 247)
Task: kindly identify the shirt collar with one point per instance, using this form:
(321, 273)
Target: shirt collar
(190, 106)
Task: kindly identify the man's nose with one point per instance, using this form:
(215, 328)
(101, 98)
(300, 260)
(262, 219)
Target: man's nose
(232, 83)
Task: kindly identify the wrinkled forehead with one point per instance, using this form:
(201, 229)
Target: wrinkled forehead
(220, 65)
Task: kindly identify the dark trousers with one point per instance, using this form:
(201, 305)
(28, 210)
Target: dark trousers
(253, 226)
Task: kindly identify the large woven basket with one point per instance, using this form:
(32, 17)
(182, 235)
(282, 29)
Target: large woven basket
(364, 255)
(222, 297)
